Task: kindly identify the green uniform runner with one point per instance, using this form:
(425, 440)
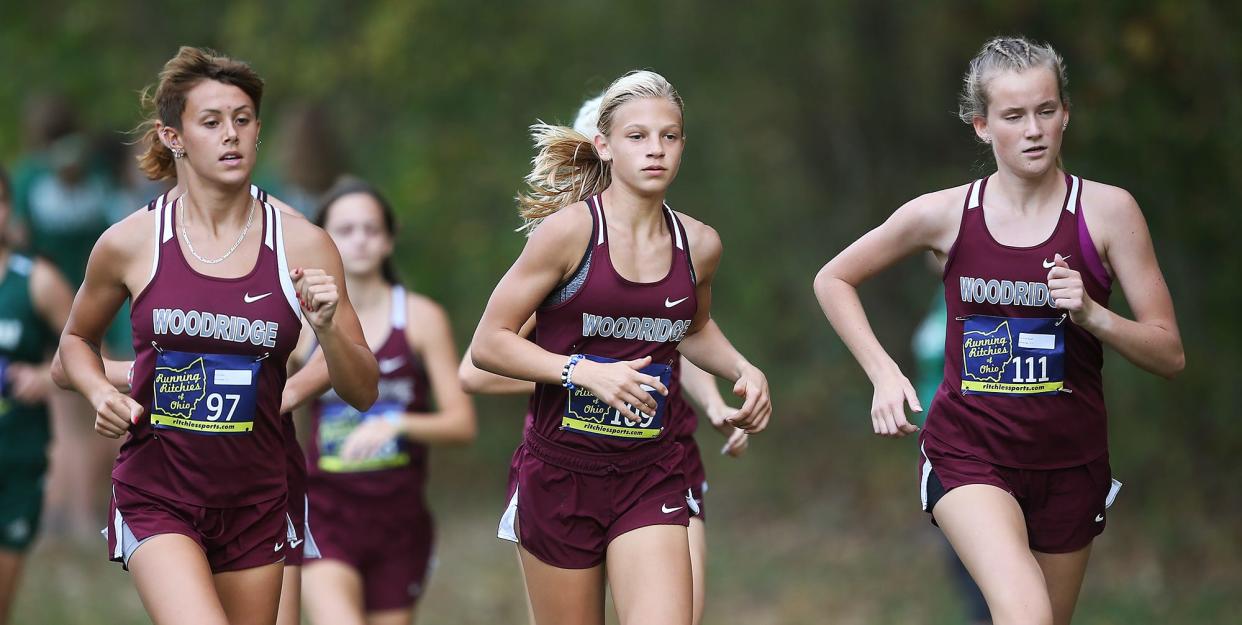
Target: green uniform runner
(24, 430)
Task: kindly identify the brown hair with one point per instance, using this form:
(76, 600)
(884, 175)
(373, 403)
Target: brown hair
(567, 168)
(165, 101)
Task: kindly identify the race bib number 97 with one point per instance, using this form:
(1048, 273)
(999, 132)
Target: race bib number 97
(1013, 356)
(205, 393)
(585, 413)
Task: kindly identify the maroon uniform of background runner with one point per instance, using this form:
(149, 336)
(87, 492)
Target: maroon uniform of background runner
(373, 514)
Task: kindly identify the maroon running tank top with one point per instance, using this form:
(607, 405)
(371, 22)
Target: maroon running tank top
(1022, 385)
(611, 318)
(400, 467)
(209, 370)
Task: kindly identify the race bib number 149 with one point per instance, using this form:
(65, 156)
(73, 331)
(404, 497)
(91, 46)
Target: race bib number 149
(586, 414)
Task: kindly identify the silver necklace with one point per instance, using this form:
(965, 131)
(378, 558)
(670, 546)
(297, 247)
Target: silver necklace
(240, 238)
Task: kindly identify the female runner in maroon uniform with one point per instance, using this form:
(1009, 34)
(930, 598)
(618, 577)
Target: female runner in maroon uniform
(199, 486)
(311, 381)
(1014, 459)
(368, 470)
(618, 284)
(698, 384)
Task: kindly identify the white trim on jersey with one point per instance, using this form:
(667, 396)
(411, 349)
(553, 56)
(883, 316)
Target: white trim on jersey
(599, 219)
(168, 212)
(398, 315)
(676, 229)
(974, 194)
(1071, 204)
(267, 224)
(282, 266)
(927, 469)
(159, 243)
(508, 520)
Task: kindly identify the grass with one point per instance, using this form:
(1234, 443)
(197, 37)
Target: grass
(818, 524)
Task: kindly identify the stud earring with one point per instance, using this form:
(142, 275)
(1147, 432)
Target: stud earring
(178, 153)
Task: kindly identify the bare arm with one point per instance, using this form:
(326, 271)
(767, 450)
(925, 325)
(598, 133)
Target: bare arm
(453, 421)
(51, 298)
(707, 346)
(102, 292)
(326, 306)
(1151, 340)
(432, 337)
(477, 381)
(310, 378)
(921, 224)
(700, 386)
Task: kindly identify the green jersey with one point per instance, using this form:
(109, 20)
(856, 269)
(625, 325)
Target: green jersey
(24, 338)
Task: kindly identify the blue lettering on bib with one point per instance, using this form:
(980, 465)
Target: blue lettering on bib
(205, 393)
(1012, 356)
(339, 420)
(585, 413)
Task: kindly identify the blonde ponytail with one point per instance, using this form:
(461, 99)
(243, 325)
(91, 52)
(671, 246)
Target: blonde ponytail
(566, 169)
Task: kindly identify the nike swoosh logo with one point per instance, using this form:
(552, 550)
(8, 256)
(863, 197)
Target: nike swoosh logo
(667, 510)
(1099, 518)
(1049, 264)
(293, 544)
(669, 304)
(278, 546)
(250, 300)
(388, 365)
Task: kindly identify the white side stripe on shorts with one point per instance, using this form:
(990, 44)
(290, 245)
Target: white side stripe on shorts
(927, 469)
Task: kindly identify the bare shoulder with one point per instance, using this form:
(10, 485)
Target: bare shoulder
(285, 209)
(705, 243)
(304, 239)
(562, 236)
(1111, 201)
(1112, 214)
(572, 222)
(424, 317)
(120, 240)
(937, 207)
(44, 274)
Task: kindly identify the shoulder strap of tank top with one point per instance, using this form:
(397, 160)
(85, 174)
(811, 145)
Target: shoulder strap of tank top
(258, 193)
(679, 238)
(974, 195)
(163, 229)
(596, 202)
(682, 240)
(1072, 199)
(274, 238)
(399, 312)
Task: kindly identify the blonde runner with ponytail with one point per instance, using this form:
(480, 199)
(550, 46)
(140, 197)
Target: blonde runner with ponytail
(567, 167)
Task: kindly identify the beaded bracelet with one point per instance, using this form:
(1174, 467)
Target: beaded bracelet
(567, 372)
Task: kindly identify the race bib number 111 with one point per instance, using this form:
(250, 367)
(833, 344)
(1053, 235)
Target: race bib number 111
(1012, 356)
